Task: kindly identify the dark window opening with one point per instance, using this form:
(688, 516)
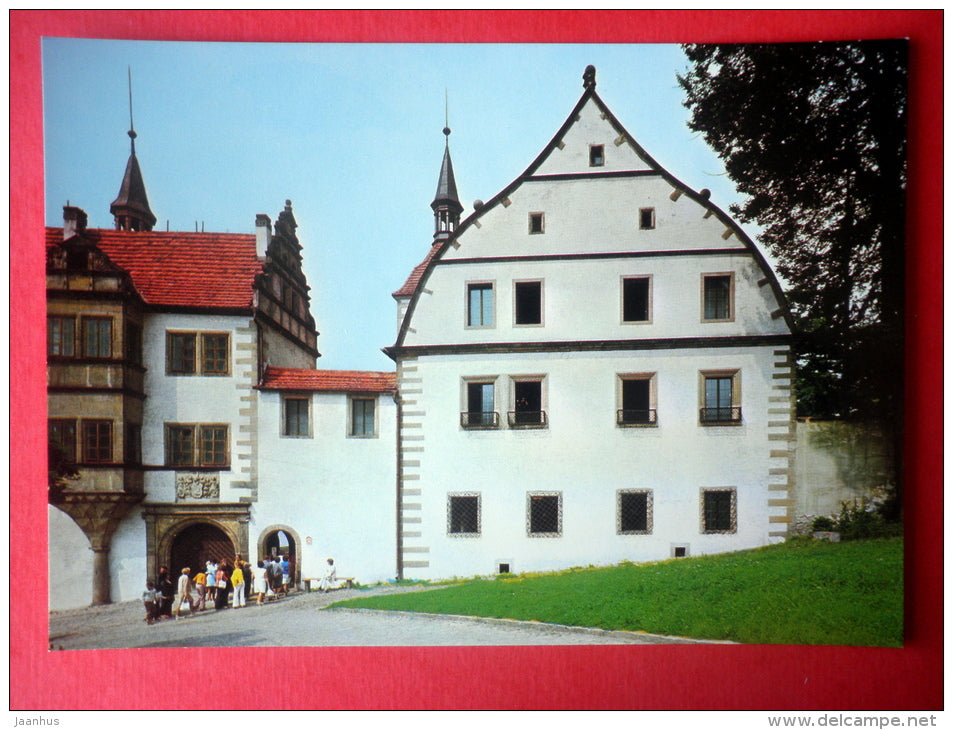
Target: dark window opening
(635, 299)
(680, 551)
(97, 441)
(97, 337)
(504, 568)
(544, 514)
(181, 353)
(535, 222)
(362, 417)
(719, 401)
(528, 402)
(529, 302)
(61, 336)
(718, 512)
(464, 515)
(634, 512)
(637, 401)
(596, 155)
(480, 411)
(133, 443)
(62, 438)
(718, 297)
(646, 218)
(133, 343)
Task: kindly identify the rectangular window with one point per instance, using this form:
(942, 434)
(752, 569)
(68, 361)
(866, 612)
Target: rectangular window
(297, 420)
(637, 400)
(62, 435)
(463, 514)
(480, 406)
(214, 354)
(544, 514)
(214, 445)
(480, 305)
(536, 222)
(634, 512)
(721, 398)
(189, 444)
(528, 298)
(97, 336)
(61, 336)
(719, 511)
(636, 299)
(97, 441)
(646, 218)
(597, 157)
(717, 296)
(528, 410)
(362, 417)
(181, 353)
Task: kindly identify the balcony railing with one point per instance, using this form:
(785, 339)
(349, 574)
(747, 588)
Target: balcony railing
(527, 419)
(628, 417)
(720, 415)
(480, 419)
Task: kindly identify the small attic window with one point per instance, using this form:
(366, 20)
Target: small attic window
(535, 222)
(597, 155)
(646, 218)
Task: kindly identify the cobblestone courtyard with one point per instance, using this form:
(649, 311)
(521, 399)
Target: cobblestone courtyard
(299, 620)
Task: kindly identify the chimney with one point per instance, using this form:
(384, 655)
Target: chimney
(74, 221)
(262, 234)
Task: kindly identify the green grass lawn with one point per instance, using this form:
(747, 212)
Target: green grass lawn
(798, 592)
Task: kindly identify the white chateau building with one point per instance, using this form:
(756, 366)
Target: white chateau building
(592, 367)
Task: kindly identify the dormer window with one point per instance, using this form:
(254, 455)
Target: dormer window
(597, 157)
(535, 222)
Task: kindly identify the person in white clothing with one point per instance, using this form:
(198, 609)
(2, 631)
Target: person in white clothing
(330, 579)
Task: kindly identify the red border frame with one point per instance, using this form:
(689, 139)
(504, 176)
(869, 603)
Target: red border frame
(651, 677)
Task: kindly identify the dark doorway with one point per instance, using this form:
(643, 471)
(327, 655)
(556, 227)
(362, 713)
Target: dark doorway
(198, 543)
(280, 542)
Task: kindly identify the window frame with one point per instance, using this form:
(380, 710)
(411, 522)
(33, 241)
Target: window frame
(650, 212)
(537, 216)
(481, 285)
(197, 446)
(597, 155)
(734, 374)
(86, 321)
(649, 511)
(352, 400)
(132, 342)
(516, 303)
(296, 398)
(488, 419)
(511, 416)
(705, 278)
(70, 448)
(451, 496)
(652, 420)
(558, 495)
(732, 511)
(200, 344)
(91, 442)
(61, 338)
(648, 296)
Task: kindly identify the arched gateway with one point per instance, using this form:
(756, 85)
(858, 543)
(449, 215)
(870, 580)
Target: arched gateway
(196, 544)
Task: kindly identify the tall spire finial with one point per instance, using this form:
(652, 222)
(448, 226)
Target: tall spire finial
(589, 77)
(446, 115)
(132, 127)
(446, 205)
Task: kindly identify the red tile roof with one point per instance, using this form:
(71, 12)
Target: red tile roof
(410, 286)
(174, 269)
(350, 381)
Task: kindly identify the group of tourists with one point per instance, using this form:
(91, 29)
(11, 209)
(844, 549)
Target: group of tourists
(223, 584)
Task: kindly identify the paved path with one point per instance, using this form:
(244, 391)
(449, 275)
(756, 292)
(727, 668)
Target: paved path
(298, 620)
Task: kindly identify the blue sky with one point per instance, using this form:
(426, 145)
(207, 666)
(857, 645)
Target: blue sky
(351, 133)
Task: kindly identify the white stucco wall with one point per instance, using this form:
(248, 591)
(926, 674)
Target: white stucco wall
(70, 562)
(338, 490)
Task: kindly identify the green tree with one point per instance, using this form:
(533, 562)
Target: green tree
(814, 136)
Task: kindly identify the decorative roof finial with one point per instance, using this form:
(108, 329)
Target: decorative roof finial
(132, 128)
(589, 77)
(446, 115)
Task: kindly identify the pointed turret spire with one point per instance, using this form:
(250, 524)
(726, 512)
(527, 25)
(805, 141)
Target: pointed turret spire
(446, 205)
(131, 207)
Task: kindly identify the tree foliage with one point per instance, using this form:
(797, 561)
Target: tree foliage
(814, 137)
